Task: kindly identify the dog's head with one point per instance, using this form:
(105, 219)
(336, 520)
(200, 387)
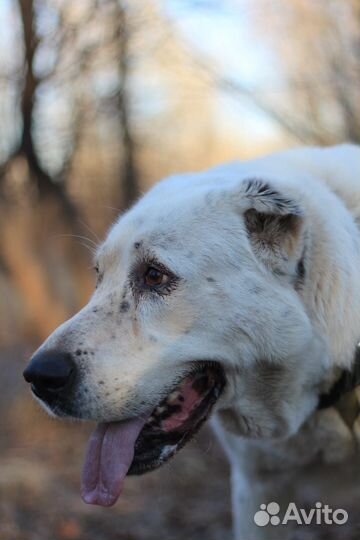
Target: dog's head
(198, 303)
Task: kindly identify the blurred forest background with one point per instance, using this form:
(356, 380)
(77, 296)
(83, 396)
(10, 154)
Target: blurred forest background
(99, 99)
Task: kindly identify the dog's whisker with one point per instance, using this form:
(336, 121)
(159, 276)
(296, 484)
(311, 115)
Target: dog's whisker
(90, 249)
(97, 239)
(77, 236)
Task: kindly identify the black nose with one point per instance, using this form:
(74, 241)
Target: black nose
(50, 371)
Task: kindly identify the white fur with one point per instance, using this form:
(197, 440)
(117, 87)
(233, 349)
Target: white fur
(236, 303)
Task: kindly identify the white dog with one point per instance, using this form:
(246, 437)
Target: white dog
(237, 291)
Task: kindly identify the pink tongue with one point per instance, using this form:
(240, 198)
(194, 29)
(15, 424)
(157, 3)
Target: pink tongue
(108, 459)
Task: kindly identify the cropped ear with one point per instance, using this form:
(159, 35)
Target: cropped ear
(276, 228)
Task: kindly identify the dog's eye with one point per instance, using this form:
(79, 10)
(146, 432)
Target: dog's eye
(154, 277)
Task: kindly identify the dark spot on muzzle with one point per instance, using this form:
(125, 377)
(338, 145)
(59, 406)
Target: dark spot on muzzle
(124, 307)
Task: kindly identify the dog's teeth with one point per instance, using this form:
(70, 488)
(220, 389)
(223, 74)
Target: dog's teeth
(150, 420)
(173, 396)
(159, 410)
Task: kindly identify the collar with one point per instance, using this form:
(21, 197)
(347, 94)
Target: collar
(348, 381)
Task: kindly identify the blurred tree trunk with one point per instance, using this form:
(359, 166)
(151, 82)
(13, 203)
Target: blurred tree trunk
(129, 180)
(39, 266)
(46, 186)
(129, 176)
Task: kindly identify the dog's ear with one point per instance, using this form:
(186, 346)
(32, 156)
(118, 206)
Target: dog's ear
(276, 227)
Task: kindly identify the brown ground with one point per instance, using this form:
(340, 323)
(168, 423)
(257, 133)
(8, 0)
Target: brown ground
(40, 465)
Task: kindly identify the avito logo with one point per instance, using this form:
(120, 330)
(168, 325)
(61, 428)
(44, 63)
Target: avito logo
(321, 514)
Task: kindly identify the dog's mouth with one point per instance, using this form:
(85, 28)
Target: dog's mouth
(139, 445)
(177, 418)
